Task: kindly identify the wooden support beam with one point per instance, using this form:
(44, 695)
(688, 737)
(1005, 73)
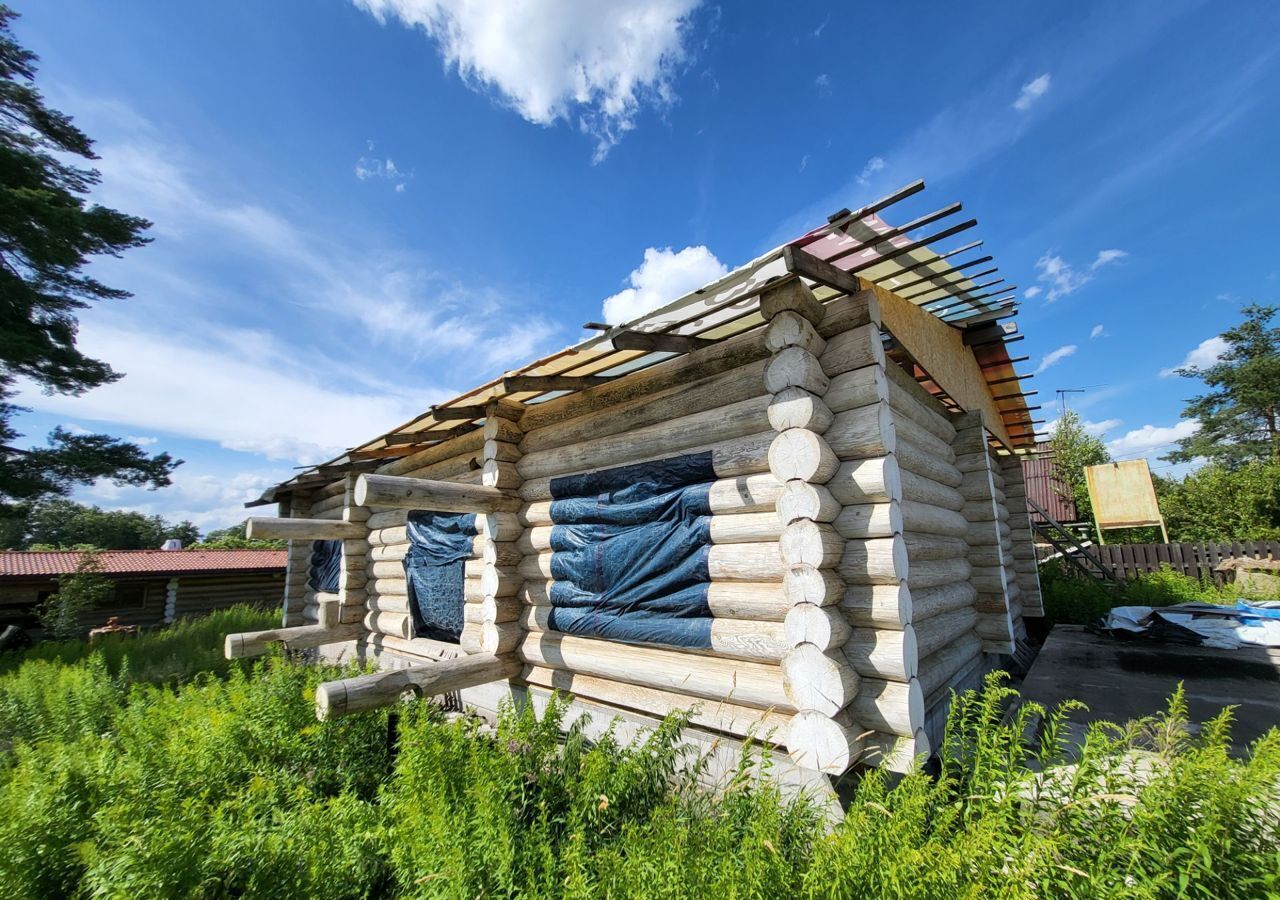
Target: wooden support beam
(350, 695)
(655, 341)
(914, 245)
(845, 216)
(806, 265)
(1004, 362)
(516, 384)
(428, 437)
(304, 637)
(441, 496)
(455, 413)
(382, 452)
(303, 529)
(1015, 396)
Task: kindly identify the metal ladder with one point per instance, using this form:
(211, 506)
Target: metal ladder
(1061, 539)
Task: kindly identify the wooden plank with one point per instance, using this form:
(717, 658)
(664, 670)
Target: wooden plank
(806, 265)
(454, 413)
(516, 384)
(428, 437)
(660, 343)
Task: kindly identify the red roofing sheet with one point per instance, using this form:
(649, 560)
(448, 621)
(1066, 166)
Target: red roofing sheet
(37, 563)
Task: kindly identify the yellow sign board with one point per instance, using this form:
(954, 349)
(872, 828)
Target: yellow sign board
(1122, 495)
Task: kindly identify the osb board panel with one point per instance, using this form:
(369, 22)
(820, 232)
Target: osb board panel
(940, 350)
(1122, 494)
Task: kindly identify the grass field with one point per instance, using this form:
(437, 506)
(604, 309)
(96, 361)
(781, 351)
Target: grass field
(152, 768)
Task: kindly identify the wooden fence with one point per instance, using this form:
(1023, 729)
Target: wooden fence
(1196, 560)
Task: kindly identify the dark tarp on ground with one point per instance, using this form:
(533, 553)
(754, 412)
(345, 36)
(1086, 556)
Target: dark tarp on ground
(439, 546)
(326, 563)
(630, 552)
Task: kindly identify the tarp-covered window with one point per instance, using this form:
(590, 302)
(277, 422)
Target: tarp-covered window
(630, 552)
(439, 545)
(326, 564)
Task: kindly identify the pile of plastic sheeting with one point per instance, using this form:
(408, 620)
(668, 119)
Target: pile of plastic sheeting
(1249, 622)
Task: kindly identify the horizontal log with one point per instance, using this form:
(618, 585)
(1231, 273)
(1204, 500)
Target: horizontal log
(799, 454)
(807, 584)
(868, 520)
(928, 519)
(895, 753)
(790, 329)
(856, 388)
(732, 638)
(802, 500)
(302, 529)
(394, 624)
(844, 313)
(386, 518)
(822, 626)
(657, 342)
(391, 604)
(856, 348)
(350, 695)
(764, 602)
(666, 438)
(794, 407)
(922, 546)
(438, 496)
(874, 480)
(874, 561)
(446, 460)
(926, 490)
(743, 494)
(924, 411)
(861, 433)
(818, 680)
(913, 458)
(519, 384)
(883, 653)
(892, 707)
(725, 562)
(877, 605)
(791, 295)
(767, 725)
(824, 743)
(938, 668)
(256, 643)
(810, 543)
(935, 633)
(711, 678)
(929, 602)
(499, 581)
(795, 367)
(729, 459)
(935, 572)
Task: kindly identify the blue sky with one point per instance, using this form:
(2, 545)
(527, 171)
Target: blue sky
(365, 207)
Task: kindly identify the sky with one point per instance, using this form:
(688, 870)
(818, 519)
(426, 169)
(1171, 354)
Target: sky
(363, 207)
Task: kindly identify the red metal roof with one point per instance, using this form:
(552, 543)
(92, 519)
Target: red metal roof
(38, 563)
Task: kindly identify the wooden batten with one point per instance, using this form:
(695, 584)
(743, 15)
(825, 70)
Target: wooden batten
(302, 529)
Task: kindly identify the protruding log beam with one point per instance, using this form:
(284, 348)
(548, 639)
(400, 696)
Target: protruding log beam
(456, 413)
(303, 529)
(806, 265)
(350, 695)
(303, 637)
(439, 496)
(428, 437)
(661, 343)
(517, 384)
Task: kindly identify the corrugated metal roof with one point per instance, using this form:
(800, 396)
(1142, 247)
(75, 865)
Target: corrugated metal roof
(44, 563)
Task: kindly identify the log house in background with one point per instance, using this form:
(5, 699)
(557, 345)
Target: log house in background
(844, 418)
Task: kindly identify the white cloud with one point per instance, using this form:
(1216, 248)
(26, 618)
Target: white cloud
(1063, 278)
(1055, 356)
(1097, 429)
(1032, 292)
(598, 63)
(1031, 92)
(372, 167)
(1148, 438)
(874, 165)
(661, 278)
(142, 440)
(804, 162)
(1097, 332)
(209, 499)
(1206, 353)
(229, 391)
(823, 84)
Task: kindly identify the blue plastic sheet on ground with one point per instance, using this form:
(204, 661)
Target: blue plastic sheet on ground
(630, 552)
(326, 563)
(439, 545)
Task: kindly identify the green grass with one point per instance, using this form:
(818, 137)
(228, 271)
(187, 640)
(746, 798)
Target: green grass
(222, 784)
(1070, 598)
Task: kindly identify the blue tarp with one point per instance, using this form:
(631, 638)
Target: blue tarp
(439, 545)
(630, 552)
(326, 563)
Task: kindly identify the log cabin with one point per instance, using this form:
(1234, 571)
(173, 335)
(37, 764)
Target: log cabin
(790, 501)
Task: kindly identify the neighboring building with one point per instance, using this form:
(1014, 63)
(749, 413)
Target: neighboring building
(152, 587)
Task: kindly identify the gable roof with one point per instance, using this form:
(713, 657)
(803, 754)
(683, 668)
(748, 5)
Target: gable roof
(16, 564)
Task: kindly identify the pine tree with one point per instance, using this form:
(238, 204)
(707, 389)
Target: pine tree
(1240, 416)
(48, 234)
